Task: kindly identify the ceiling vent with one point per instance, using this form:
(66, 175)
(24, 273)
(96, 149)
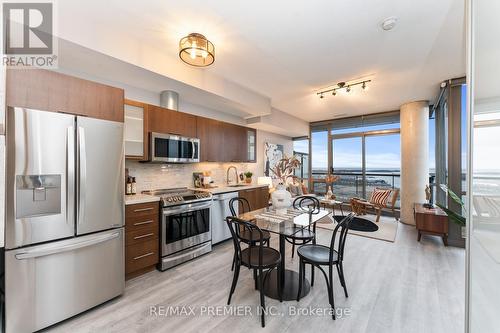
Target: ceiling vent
(169, 99)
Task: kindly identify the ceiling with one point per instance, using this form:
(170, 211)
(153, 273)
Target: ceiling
(282, 53)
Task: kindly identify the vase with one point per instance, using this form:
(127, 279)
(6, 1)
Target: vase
(281, 198)
(248, 180)
(329, 193)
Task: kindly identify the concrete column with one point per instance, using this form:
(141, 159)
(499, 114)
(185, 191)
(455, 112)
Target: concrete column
(414, 156)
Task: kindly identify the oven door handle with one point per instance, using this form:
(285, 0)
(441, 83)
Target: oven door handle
(192, 208)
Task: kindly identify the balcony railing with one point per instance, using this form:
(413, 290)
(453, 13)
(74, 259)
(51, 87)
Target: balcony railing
(351, 184)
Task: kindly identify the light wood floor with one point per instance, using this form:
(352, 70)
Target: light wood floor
(404, 286)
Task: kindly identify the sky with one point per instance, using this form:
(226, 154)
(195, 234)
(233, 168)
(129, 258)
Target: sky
(381, 152)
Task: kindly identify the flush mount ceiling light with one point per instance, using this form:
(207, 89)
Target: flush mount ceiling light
(342, 86)
(196, 50)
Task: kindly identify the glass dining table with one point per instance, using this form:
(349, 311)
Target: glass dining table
(284, 224)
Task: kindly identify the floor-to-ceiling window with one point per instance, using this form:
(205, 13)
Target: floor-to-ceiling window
(450, 149)
(301, 152)
(365, 161)
(319, 160)
(383, 161)
(364, 152)
(347, 164)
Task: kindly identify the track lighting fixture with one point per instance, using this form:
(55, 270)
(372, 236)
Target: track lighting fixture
(342, 85)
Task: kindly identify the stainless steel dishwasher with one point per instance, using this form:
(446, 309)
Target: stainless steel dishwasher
(220, 210)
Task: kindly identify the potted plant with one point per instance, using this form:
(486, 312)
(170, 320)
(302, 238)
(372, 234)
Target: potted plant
(454, 217)
(248, 177)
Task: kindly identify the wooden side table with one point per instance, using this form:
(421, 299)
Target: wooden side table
(432, 221)
(331, 203)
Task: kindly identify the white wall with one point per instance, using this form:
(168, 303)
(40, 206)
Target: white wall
(280, 122)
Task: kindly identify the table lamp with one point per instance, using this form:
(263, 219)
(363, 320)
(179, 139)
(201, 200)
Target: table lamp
(265, 181)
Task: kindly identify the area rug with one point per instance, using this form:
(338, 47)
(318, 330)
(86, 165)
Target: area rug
(387, 227)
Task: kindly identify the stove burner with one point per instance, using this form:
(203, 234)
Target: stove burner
(177, 196)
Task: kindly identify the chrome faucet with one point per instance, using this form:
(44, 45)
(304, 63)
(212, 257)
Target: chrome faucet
(236, 173)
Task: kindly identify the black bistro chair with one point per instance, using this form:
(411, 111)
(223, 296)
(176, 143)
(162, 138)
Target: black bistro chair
(247, 238)
(320, 255)
(310, 205)
(261, 259)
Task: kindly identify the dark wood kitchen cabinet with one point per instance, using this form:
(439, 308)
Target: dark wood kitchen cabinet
(51, 91)
(257, 197)
(235, 143)
(141, 238)
(219, 141)
(167, 121)
(211, 135)
(225, 142)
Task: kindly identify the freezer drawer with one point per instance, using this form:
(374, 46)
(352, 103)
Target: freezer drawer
(48, 283)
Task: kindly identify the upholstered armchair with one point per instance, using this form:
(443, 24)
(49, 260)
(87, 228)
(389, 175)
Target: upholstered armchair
(380, 199)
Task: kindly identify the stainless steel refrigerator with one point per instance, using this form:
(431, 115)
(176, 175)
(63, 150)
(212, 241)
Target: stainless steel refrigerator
(64, 236)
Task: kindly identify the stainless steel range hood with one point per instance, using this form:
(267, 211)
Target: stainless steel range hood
(169, 99)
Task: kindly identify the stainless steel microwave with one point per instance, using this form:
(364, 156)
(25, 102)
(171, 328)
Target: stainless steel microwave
(170, 148)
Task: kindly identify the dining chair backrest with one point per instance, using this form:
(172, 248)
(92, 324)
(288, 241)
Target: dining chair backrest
(310, 205)
(237, 227)
(343, 226)
(243, 206)
(307, 203)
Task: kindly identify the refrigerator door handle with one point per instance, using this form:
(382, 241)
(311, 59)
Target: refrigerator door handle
(65, 248)
(82, 174)
(70, 174)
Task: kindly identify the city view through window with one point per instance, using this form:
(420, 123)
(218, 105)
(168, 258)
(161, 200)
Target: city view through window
(381, 161)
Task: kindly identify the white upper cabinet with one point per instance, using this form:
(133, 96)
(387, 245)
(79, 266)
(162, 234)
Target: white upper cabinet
(134, 130)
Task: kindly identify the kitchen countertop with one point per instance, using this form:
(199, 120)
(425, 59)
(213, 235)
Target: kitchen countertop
(227, 189)
(145, 198)
(140, 198)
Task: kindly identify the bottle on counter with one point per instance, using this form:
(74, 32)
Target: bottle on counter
(133, 186)
(128, 189)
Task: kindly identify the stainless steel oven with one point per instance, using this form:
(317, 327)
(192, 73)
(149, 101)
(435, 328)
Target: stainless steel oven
(186, 232)
(173, 148)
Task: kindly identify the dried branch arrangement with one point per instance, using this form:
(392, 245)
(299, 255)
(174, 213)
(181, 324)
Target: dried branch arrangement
(283, 170)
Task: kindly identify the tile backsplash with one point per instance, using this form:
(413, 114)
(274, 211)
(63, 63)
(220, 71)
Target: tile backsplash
(151, 176)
